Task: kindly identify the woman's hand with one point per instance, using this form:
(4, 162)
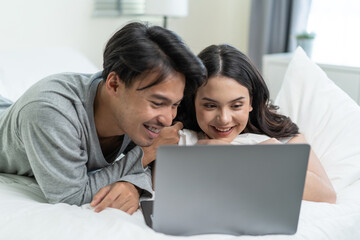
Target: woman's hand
(211, 142)
(271, 141)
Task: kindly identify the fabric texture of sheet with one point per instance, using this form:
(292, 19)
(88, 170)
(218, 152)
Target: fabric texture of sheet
(25, 215)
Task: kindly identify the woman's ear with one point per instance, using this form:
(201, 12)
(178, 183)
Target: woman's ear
(114, 84)
(251, 108)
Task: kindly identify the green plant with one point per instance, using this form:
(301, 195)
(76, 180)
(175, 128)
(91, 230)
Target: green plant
(305, 35)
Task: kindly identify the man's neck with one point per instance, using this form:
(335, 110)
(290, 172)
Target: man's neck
(110, 146)
(102, 115)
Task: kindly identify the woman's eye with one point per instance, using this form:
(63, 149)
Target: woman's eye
(209, 105)
(236, 106)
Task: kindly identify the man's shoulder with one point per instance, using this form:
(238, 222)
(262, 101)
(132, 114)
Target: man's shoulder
(67, 78)
(56, 94)
(59, 88)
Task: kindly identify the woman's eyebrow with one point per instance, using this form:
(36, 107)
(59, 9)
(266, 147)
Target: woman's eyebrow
(212, 100)
(209, 99)
(237, 99)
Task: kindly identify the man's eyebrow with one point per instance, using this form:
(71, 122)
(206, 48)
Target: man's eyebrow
(212, 100)
(163, 98)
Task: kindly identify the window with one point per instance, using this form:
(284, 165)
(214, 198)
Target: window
(337, 32)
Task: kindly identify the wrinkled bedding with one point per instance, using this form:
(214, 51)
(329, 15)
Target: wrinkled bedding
(26, 215)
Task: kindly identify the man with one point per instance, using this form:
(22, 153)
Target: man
(69, 130)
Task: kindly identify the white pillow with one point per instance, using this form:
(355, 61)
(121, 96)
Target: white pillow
(326, 115)
(19, 69)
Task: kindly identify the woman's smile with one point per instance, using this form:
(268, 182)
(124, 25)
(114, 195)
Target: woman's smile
(222, 131)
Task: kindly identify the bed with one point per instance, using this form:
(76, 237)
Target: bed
(326, 115)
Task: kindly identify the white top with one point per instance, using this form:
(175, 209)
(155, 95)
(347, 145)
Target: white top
(189, 137)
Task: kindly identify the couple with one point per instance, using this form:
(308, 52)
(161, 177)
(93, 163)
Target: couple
(69, 130)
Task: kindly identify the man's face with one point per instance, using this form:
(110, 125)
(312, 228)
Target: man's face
(141, 114)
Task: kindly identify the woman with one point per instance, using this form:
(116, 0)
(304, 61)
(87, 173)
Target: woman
(233, 106)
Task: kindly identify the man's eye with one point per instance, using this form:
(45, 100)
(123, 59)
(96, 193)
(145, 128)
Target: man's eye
(158, 104)
(176, 105)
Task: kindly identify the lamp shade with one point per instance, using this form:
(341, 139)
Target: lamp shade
(169, 8)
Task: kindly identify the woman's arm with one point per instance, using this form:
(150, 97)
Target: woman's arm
(318, 187)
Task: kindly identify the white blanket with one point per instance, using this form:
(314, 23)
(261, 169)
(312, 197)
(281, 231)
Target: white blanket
(25, 215)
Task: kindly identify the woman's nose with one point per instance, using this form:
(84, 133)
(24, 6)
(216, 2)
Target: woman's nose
(223, 117)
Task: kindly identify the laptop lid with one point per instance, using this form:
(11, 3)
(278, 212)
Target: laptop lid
(229, 189)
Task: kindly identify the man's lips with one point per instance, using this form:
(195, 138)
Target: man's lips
(153, 129)
(152, 132)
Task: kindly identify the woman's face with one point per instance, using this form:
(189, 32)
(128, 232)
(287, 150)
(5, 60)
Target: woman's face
(222, 108)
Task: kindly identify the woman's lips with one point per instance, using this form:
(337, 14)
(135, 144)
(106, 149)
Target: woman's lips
(223, 131)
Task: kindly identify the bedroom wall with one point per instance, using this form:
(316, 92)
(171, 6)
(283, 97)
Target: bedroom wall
(58, 23)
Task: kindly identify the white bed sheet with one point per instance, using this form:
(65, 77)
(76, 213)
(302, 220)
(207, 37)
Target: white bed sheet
(26, 215)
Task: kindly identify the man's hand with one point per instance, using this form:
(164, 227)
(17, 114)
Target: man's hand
(120, 195)
(168, 136)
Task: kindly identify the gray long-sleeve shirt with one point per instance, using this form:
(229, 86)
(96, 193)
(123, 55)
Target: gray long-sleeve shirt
(50, 133)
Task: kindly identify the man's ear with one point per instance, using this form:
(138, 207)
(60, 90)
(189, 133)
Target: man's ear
(114, 84)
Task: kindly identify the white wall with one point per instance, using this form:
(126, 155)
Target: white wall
(58, 23)
(214, 22)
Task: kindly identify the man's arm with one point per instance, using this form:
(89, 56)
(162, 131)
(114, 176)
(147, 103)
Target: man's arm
(57, 155)
(122, 195)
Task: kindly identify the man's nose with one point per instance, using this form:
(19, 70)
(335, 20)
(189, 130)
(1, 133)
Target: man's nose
(167, 116)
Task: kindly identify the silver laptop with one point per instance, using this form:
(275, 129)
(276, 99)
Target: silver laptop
(228, 189)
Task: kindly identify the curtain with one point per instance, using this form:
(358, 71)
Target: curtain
(273, 25)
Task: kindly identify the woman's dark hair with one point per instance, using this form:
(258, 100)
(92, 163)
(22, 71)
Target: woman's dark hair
(227, 61)
(141, 49)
